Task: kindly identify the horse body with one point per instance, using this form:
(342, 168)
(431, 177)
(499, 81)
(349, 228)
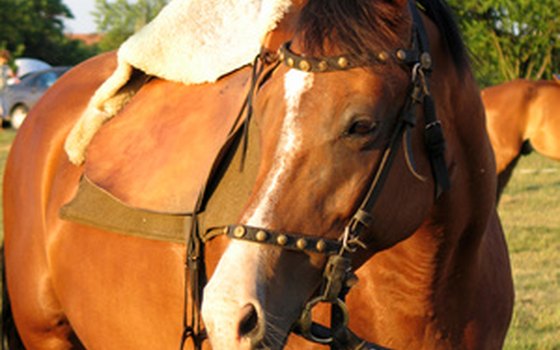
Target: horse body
(519, 112)
(435, 274)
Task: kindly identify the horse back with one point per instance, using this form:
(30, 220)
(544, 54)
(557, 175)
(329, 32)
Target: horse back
(522, 110)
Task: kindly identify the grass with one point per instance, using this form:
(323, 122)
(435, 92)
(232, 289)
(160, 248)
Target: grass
(530, 211)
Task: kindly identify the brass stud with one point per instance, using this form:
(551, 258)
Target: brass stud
(290, 62)
(383, 56)
(401, 55)
(323, 66)
(301, 243)
(282, 240)
(321, 246)
(239, 232)
(426, 60)
(261, 236)
(282, 56)
(304, 66)
(343, 62)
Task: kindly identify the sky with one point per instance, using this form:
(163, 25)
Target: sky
(83, 20)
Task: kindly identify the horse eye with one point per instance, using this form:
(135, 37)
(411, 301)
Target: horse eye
(361, 127)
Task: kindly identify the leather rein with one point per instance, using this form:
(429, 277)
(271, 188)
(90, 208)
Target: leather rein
(338, 276)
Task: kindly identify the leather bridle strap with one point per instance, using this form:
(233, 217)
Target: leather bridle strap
(434, 138)
(284, 240)
(433, 132)
(195, 271)
(362, 214)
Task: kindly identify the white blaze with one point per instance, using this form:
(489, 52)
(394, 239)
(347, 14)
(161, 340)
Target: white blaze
(296, 83)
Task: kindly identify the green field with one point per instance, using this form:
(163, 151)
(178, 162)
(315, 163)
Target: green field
(530, 210)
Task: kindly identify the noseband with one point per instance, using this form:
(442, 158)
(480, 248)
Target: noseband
(338, 276)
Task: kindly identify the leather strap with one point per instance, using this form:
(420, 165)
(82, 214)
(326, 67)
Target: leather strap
(433, 132)
(284, 240)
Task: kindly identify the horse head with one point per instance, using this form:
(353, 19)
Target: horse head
(352, 163)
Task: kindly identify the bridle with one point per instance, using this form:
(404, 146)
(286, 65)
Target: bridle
(338, 276)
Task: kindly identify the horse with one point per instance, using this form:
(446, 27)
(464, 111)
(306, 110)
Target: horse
(521, 117)
(373, 192)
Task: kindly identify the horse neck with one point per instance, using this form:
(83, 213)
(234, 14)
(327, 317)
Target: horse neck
(413, 261)
(421, 284)
(443, 254)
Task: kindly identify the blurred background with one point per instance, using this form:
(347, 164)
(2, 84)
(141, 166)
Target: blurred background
(66, 32)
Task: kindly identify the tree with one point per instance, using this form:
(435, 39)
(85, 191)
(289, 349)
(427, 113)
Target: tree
(35, 28)
(120, 19)
(511, 39)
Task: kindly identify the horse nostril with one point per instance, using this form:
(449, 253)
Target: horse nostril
(249, 320)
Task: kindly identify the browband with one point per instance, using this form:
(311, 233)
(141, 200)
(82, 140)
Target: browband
(322, 64)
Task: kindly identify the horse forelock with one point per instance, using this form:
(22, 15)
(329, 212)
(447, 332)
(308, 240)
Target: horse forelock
(362, 28)
(357, 27)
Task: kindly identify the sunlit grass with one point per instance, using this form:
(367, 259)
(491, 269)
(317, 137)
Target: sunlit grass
(530, 211)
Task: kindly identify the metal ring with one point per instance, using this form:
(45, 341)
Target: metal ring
(415, 72)
(306, 321)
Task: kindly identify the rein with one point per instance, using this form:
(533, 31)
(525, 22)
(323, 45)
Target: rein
(338, 276)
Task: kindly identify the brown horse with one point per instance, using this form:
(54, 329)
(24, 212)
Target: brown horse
(344, 179)
(522, 115)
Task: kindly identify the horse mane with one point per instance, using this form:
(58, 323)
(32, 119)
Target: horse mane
(362, 28)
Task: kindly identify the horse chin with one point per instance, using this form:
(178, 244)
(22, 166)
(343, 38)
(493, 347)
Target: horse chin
(274, 338)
